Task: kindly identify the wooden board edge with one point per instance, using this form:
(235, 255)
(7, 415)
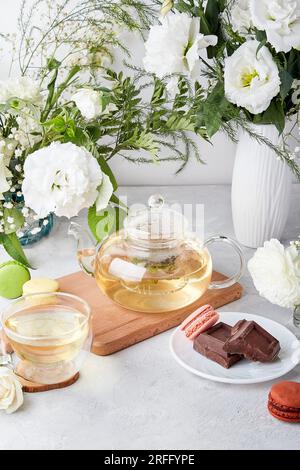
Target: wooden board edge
(106, 349)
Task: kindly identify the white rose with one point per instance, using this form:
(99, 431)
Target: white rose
(88, 102)
(61, 178)
(281, 21)
(251, 78)
(11, 395)
(241, 17)
(23, 88)
(174, 46)
(276, 275)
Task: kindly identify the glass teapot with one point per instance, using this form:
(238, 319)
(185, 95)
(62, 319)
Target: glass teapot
(153, 264)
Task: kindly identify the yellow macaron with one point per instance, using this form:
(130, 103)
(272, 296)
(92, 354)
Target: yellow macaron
(40, 286)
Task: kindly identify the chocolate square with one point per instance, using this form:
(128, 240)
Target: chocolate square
(252, 341)
(211, 345)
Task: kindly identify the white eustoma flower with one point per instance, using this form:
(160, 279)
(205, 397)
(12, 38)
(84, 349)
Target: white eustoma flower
(276, 273)
(251, 78)
(23, 88)
(61, 178)
(281, 21)
(90, 103)
(240, 17)
(11, 395)
(174, 46)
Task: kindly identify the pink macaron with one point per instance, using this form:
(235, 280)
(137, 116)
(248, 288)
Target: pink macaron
(199, 321)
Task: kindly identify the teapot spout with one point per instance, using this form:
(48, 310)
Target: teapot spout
(86, 248)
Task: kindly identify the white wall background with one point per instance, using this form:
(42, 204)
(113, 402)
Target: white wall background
(219, 157)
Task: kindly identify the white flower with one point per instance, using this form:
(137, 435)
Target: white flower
(174, 46)
(251, 78)
(88, 102)
(23, 88)
(240, 17)
(61, 178)
(276, 273)
(11, 395)
(281, 21)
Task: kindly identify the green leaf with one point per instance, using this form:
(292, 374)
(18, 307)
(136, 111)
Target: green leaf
(14, 249)
(261, 36)
(216, 109)
(212, 14)
(286, 83)
(103, 223)
(53, 63)
(273, 115)
(159, 92)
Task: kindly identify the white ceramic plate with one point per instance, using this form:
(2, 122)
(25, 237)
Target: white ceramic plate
(244, 372)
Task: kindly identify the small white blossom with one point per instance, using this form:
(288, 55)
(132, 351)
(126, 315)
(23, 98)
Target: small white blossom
(35, 230)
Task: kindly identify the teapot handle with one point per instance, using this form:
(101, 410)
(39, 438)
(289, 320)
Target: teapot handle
(238, 249)
(86, 248)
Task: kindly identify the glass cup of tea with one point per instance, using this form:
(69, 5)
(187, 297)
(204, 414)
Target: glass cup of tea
(50, 334)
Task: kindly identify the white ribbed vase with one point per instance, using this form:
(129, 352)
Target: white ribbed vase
(261, 189)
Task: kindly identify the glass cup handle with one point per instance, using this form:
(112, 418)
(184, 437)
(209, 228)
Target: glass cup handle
(238, 249)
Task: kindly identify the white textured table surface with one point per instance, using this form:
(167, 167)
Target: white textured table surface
(141, 398)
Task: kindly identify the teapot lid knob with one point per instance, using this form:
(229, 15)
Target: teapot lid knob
(156, 201)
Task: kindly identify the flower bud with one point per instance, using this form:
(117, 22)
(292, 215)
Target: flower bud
(167, 5)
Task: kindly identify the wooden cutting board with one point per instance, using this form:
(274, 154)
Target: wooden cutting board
(116, 328)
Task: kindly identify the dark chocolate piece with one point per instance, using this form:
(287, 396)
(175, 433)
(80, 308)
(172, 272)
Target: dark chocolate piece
(252, 341)
(211, 345)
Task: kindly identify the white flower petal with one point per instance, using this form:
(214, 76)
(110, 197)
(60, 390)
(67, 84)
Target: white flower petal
(11, 395)
(105, 192)
(276, 274)
(240, 17)
(281, 21)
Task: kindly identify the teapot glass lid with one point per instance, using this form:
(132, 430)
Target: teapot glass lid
(156, 222)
